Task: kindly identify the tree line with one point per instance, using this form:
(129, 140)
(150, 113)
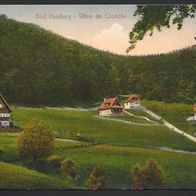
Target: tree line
(38, 67)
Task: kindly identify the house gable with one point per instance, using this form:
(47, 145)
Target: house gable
(4, 107)
(109, 104)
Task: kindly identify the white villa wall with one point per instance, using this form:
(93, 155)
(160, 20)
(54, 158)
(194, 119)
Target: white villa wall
(105, 112)
(130, 105)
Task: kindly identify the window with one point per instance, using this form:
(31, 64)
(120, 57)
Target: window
(4, 115)
(1, 106)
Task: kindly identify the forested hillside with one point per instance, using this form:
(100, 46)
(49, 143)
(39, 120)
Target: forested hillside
(40, 67)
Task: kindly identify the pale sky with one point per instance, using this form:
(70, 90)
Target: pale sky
(104, 33)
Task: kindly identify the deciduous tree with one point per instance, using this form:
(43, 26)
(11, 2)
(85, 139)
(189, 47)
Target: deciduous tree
(156, 17)
(35, 142)
(96, 179)
(148, 177)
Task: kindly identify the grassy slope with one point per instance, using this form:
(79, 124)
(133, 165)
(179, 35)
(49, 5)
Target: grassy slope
(8, 145)
(176, 113)
(17, 177)
(142, 113)
(68, 124)
(117, 162)
(127, 117)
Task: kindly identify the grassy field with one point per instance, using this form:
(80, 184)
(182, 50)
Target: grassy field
(176, 113)
(8, 145)
(142, 113)
(132, 119)
(117, 162)
(114, 146)
(68, 123)
(18, 177)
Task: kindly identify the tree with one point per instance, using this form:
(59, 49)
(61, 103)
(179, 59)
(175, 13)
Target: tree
(96, 179)
(156, 17)
(68, 166)
(35, 142)
(148, 177)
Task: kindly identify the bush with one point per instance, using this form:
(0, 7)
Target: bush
(54, 163)
(148, 177)
(40, 165)
(68, 167)
(35, 142)
(1, 154)
(96, 179)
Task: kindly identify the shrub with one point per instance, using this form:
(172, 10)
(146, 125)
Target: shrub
(148, 177)
(96, 179)
(68, 167)
(1, 154)
(54, 163)
(35, 142)
(40, 165)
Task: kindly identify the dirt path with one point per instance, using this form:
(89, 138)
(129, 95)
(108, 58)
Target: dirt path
(171, 150)
(141, 117)
(170, 126)
(66, 140)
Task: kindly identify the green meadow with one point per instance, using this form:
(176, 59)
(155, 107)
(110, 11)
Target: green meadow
(17, 177)
(116, 161)
(114, 146)
(133, 119)
(175, 113)
(70, 123)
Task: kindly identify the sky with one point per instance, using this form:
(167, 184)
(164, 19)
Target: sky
(96, 25)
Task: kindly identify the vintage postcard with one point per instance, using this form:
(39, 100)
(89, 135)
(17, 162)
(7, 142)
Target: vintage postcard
(97, 97)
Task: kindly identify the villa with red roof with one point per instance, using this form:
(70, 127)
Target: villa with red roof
(132, 102)
(110, 107)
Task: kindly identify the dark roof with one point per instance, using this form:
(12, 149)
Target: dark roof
(5, 102)
(109, 103)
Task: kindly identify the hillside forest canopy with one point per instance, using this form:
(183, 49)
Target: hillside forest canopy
(38, 67)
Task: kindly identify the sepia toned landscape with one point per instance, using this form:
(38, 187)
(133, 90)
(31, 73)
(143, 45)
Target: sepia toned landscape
(88, 100)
